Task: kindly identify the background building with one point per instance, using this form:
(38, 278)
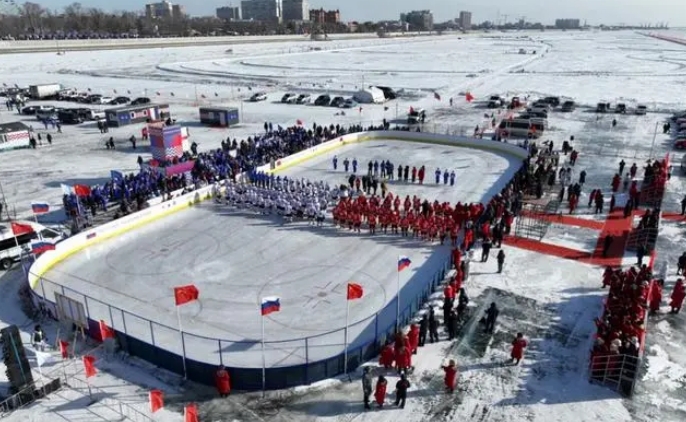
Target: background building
(418, 20)
(163, 10)
(229, 13)
(296, 10)
(465, 20)
(322, 16)
(261, 10)
(567, 24)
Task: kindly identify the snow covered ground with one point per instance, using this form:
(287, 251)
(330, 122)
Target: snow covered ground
(551, 300)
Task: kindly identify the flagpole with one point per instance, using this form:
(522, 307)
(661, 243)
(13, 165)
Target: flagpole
(183, 347)
(397, 313)
(264, 364)
(345, 353)
(9, 217)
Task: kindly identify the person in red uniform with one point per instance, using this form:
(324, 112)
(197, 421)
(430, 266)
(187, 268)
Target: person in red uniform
(450, 376)
(457, 255)
(656, 296)
(420, 174)
(678, 295)
(380, 391)
(518, 346)
(413, 337)
(402, 363)
(222, 381)
(414, 174)
(387, 356)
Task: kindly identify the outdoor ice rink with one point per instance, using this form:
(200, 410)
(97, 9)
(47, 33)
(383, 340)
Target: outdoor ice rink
(236, 257)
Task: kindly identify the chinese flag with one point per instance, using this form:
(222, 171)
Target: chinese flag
(185, 294)
(190, 413)
(18, 229)
(354, 291)
(156, 400)
(64, 349)
(82, 190)
(89, 366)
(469, 97)
(105, 331)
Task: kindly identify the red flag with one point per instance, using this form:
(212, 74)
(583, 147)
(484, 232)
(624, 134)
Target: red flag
(156, 400)
(82, 190)
(437, 96)
(354, 291)
(105, 331)
(18, 228)
(190, 412)
(64, 349)
(89, 366)
(299, 122)
(185, 294)
(469, 97)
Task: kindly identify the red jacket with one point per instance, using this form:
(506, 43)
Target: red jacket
(450, 376)
(678, 295)
(402, 358)
(222, 381)
(380, 392)
(413, 337)
(448, 292)
(387, 356)
(518, 346)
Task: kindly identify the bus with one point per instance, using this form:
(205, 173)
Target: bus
(521, 128)
(10, 252)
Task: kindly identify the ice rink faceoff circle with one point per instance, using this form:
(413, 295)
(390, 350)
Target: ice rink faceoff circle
(326, 301)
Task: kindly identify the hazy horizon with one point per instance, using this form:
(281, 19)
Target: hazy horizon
(632, 12)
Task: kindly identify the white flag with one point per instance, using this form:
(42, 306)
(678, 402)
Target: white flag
(66, 189)
(43, 357)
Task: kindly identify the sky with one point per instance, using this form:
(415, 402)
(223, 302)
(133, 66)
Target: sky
(544, 11)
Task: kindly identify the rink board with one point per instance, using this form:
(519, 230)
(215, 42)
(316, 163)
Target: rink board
(297, 353)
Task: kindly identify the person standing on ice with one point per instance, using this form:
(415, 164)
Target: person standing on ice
(382, 169)
(450, 376)
(518, 346)
(501, 261)
(366, 386)
(354, 165)
(438, 175)
(380, 391)
(491, 317)
(400, 173)
(622, 164)
(452, 178)
(678, 295)
(401, 388)
(446, 175)
(222, 381)
(423, 328)
(335, 162)
(346, 164)
(433, 326)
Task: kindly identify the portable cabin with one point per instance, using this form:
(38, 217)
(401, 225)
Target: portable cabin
(370, 95)
(129, 115)
(219, 116)
(14, 135)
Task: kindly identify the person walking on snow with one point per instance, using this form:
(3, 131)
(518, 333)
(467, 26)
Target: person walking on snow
(501, 261)
(518, 346)
(452, 180)
(450, 376)
(678, 295)
(335, 162)
(366, 386)
(446, 176)
(491, 317)
(346, 164)
(401, 388)
(380, 391)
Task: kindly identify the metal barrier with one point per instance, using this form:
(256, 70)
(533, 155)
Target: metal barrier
(139, 336)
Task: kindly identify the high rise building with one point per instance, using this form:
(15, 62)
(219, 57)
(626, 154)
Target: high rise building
(321, 16)
(262, 10)
(465, 20)
(567, 23)
(296, 10)
(418, 20)
(163, 10)
(229, 13)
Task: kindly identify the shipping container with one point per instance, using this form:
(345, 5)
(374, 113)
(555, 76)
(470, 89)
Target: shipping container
(129, 115)
(38, 92)
(219, 116)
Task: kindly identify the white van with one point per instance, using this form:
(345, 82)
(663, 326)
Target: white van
(521, 128)
(10, 252)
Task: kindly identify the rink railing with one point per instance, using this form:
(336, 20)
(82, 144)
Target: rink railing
(289, 362)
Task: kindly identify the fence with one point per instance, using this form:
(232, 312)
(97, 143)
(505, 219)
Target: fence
(309, 359)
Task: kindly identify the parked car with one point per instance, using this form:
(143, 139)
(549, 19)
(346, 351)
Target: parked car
(337, 101)
(120, 100)
(46, 114)
(621, 108)
(70, 117)
(568, 106)
(552, 101)
(288, 97)
(303, 99)
(641, 110)
(680, 143)
(93, 99)
(141, 101)
(603, 107)
(258, 96)
(495, 101)
(103, 100)
(322, 100)
(349, 103)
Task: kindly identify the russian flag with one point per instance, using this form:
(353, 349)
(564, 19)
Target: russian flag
(403, 262)
(270, 305)
(39, 247)
(40, 207)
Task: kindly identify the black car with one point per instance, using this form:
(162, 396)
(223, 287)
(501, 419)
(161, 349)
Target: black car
(70, 117)
(337, 102)
(388, 93)
(553, 101)
(140, 101)
(30, 110)
(568, 106)
(322, 100)
(120, 100)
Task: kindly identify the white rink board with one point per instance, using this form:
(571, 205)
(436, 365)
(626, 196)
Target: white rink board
(237, 257)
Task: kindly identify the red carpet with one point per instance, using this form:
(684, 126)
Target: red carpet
(547, 248)
(568, 220)
(673, 216)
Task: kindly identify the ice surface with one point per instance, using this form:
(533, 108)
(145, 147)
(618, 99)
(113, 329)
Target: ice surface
(237, 257)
